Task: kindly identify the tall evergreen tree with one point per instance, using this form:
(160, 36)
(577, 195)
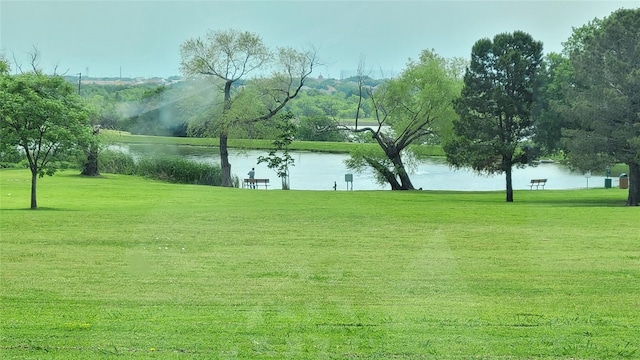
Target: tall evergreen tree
(495, 109)
(604, 98)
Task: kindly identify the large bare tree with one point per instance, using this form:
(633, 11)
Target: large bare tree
(231, 56)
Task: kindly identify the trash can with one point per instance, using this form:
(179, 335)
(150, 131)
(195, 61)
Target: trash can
(607, 183)
(624, 181)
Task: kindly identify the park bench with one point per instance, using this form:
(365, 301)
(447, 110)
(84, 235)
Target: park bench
(537, 183)
(253, 183)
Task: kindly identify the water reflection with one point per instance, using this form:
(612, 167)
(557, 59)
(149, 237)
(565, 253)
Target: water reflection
(319, 171)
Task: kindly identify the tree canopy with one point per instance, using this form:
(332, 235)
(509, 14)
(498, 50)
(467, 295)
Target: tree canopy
(556, 74)
(43, 117)
(603, 98)
(281, 164)
(229, 56)
(408, 110)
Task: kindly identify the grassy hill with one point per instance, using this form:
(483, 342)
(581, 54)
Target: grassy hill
(110, 136)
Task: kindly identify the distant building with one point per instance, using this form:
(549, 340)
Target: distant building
(126, 81)
(375, 74)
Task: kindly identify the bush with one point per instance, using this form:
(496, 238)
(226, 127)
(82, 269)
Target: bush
(11, 158)
(116, 162)
(179, 170)
(166, 168)
(10, 165)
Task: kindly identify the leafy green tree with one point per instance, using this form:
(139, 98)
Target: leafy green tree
(4, 65)
(556, 74)
(604, 99)
(140, 109)
(106, 115)
(281, 144)
(495, 107)
(319, 128)
(44, 117)
(229, 56)
(408, 110)
(157, 112)
(312, 103)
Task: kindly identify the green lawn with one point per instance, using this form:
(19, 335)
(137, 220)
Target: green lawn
(123, 267)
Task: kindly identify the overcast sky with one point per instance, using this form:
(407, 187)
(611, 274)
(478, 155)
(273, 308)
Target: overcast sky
(142, 38)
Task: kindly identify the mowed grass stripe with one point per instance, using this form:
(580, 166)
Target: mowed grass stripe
(123, 266)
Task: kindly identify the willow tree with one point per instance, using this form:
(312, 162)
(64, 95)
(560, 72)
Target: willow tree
(271, 78)
(496, 105)
(408, 110)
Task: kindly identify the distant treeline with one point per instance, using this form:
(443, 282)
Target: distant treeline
(168, 108)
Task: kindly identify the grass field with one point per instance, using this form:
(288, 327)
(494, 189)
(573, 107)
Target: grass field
(120, 137)
(123, 267)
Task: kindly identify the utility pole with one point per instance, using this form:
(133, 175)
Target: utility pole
(79, 82)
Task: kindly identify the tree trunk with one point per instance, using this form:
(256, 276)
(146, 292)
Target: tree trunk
(402, 173)
(34, 180)
(388, 175)
(285, 182)
(225, 166)
(634, 184)
(509, 184)
(393, 154)
(90, 166)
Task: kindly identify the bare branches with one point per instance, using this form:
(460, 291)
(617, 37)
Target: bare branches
(34, 57)
(232, 55)
(228, 55)
(16, 63)
(34, 61)
(361, 76)
(295, 67)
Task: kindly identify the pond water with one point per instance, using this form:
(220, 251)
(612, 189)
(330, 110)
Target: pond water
(319, 171)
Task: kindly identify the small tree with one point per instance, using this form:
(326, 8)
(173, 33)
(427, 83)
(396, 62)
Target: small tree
(4, 65)
(275, 162)
(44, 117)
(496, 105)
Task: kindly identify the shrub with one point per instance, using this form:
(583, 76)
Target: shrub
(116, 162)
(11, 158)
(178, 170)
(173, 169)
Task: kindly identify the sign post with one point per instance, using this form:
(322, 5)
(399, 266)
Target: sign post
(587, 175)
(348, 178)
